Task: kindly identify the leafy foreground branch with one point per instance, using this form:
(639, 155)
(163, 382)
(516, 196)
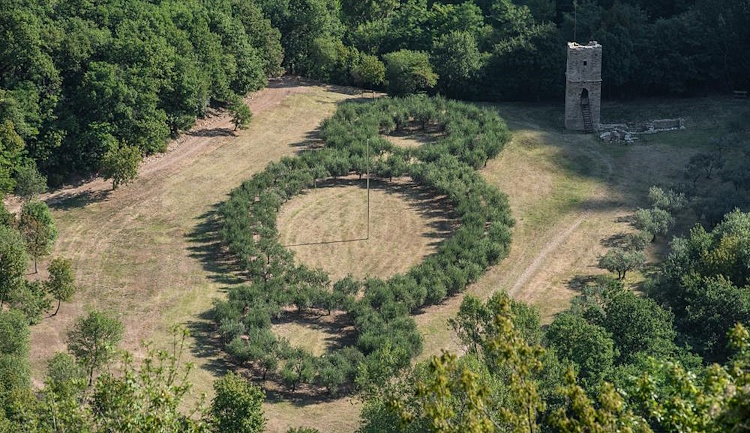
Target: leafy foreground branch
(130, 396)
(505, 387)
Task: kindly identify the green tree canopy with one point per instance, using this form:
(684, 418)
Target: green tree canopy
(639, 325)
(241, 114)
(38, 228)
(653, 221)
(61, 281)
(457, 60)
(13, 262)
(11, 146)
(92, 340)
(237, 406)
(705, 283)
(120, 164)
(14, 333)
(29, 182)
(590, 347)
(408, 72)
(622, 261)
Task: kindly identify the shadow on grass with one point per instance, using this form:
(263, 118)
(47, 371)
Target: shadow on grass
(311, 141)
(207, 344)
(207, 248)
(304, 395)
(68, 201)
(213, 132)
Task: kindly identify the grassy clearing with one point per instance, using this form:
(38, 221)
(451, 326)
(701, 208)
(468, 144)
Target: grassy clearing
(312, 332)
(411, 140)
(570, 193)
(142, 251)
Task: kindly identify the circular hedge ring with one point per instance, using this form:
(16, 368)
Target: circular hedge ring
(385, 337)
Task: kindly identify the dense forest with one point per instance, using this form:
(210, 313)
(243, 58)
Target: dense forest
(79, 79)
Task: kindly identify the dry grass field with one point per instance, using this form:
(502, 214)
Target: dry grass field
(146, 251)
(327, 227)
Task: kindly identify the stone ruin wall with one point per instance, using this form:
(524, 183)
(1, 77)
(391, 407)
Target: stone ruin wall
(628, 132)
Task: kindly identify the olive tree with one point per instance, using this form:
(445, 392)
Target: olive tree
(669, 200)
(622, 261)
(653, 221)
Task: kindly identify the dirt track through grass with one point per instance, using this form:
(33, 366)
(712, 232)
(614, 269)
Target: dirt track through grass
(569, 193)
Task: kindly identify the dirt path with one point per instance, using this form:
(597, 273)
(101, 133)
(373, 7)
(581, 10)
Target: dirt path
(533, 268)
(559, 223)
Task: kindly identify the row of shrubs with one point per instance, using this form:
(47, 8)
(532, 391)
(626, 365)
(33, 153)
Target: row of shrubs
(384, 336)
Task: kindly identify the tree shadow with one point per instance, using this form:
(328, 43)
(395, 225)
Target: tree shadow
(206, 247)
(304, 395)
(208, 344)
(68, 201)
(580, 282)
(618, 240)
(213, 132)
(312, 141)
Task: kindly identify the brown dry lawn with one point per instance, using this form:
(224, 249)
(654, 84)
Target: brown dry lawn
(145, 251)
(327, 227)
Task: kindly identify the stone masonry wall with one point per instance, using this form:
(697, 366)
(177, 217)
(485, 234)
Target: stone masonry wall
(584, 71)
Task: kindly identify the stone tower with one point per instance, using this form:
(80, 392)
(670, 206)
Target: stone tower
(583, 86)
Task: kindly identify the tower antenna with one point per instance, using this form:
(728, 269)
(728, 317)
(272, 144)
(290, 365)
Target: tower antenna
(575, 20)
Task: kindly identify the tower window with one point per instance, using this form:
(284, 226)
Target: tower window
(585, 63)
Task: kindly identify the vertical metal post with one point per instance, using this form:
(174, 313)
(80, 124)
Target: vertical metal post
(368, 188)
(575, 20)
